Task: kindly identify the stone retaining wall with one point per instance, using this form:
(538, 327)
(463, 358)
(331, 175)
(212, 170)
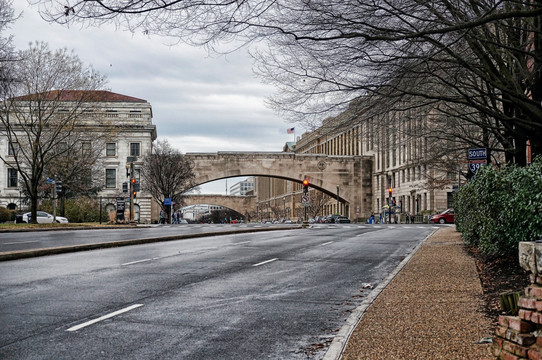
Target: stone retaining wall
(520, 337)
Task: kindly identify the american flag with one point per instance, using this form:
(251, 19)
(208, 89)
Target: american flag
(290, 130)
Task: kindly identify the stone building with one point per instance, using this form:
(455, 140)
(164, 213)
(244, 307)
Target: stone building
(401, 162)
(130, 133)
(242, 188)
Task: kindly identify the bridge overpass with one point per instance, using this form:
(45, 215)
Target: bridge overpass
(352, 174)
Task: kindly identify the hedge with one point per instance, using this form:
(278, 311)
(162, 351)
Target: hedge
(80, 209)
(498, 208)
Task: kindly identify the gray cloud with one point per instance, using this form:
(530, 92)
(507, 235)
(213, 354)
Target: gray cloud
(194, 96)
(200, 103)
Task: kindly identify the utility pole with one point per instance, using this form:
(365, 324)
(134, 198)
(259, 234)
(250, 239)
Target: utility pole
(132, 178)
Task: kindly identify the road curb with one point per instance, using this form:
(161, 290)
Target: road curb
(23, 254)
(340, 340)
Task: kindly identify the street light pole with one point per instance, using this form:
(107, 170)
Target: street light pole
(338, 203)
(131, 192)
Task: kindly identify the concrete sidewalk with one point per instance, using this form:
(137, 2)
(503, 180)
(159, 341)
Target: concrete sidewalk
(432, 309)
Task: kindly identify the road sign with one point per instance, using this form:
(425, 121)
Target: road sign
(167, 201)
(477, 154)
(305, 200)
(475, 165)
(121, 205)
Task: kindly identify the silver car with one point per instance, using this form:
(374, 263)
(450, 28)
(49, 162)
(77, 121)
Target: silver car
(44, 218)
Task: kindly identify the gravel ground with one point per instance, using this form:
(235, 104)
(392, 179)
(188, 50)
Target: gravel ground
(433, 309)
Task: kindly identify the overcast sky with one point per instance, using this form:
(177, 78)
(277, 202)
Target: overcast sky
(200, 103)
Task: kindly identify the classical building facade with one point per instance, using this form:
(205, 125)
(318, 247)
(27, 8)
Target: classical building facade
(130, 134)
(401, 163)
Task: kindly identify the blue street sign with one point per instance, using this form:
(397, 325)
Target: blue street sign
(478, 154)
(475, 165)
(167, 201)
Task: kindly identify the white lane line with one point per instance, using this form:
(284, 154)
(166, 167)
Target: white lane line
(241, 243)
(326, 243)
(20, 242)
(101, 318)
(136, 262)
(265, 262)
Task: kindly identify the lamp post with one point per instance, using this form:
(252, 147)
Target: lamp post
(338, 203)
(130, 174)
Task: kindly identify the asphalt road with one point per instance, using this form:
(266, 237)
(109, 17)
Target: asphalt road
(23, 240)
(272, 295)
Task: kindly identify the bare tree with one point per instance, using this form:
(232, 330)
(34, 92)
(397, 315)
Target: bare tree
(166, 173)
(52, 90)
(317, 200)
(80, 169)
(7, 50)
(483, 57)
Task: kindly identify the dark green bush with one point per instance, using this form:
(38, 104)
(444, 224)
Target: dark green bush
(80, 209)
(501, 207)
(5, 215)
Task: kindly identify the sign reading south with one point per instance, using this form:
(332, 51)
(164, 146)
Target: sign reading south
(478, 154)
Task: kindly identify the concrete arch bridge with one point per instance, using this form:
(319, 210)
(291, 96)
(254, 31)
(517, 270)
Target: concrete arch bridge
(351, 174)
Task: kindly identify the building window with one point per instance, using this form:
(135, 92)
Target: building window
(85, 176)
(86, 148)
(110, 178)
(12, 148)
(110, 149)
(135, 149)
(12, 178)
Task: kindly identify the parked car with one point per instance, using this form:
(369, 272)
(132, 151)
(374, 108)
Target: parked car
(44, 218)
(333, 219)
(445, 217)
(342, 220)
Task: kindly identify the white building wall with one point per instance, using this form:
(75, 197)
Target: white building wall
(132, 123)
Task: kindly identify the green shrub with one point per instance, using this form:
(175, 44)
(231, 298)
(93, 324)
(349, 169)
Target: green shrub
(5, 215)
(501, 207)
(80, 209)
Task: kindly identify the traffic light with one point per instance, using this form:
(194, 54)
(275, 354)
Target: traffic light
(137, 186)
(133, 181)
(58, 185)
(134, 193)
(124, 187)
(389, 192)
(305, 186)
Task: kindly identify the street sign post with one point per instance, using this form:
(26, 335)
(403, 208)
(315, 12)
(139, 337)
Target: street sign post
(121, 205)
(477, 159)
(475, 165)
(478, 154)
(305, 200)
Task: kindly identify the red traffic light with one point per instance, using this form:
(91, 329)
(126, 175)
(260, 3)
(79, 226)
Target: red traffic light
(134, 193)
(133, 181)
(389, 190)
(305, 182)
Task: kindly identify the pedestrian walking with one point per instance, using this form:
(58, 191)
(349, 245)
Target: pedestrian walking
(175, 217)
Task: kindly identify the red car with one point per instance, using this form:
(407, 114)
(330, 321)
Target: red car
(445, 217)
